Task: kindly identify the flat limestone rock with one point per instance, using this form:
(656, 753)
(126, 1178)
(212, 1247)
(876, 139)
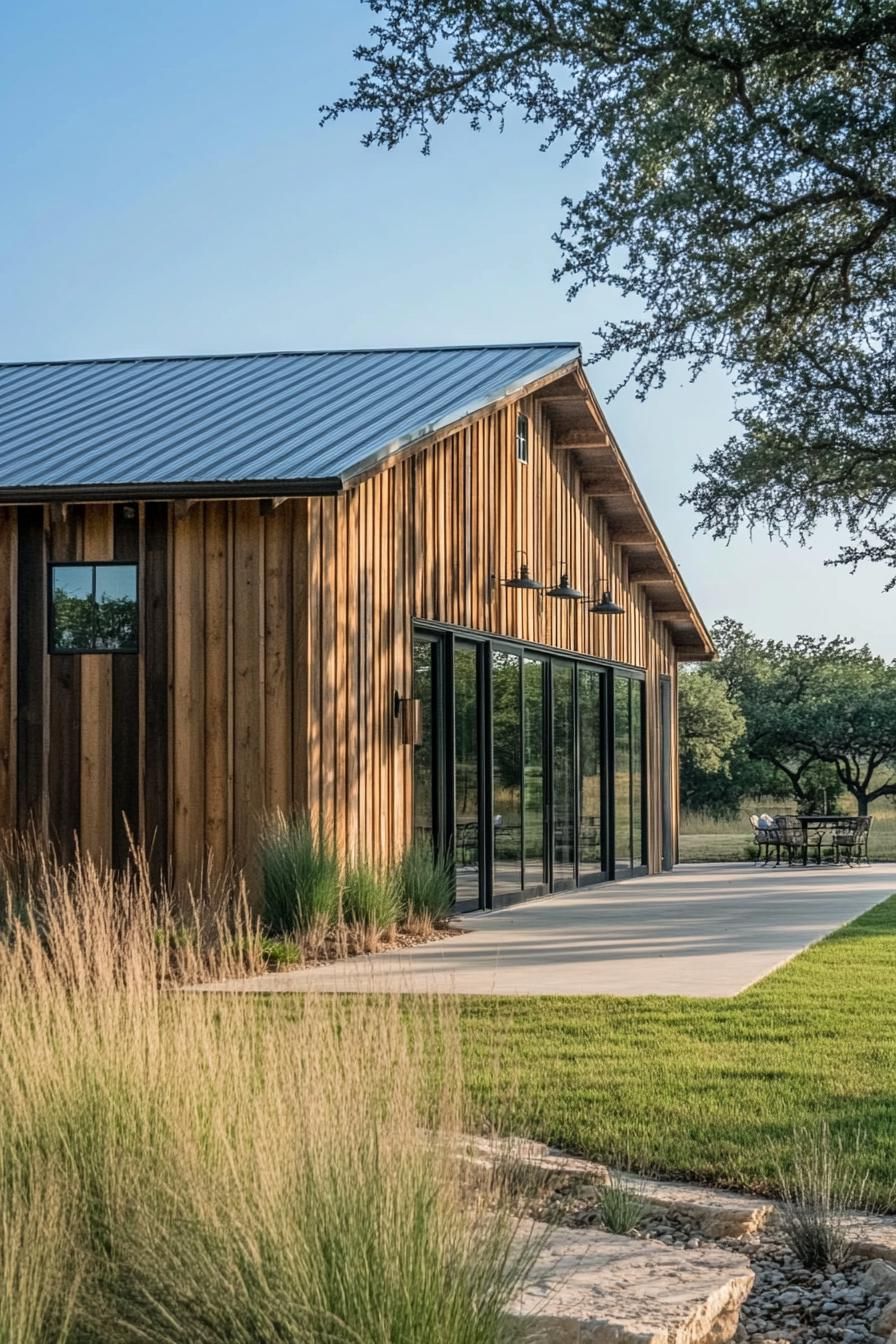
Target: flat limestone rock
(548, 1166)
(873, 1237)
(588, 1287)
(718, 1213)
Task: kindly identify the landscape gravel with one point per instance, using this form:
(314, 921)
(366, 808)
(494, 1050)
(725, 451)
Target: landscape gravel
(788, 1304)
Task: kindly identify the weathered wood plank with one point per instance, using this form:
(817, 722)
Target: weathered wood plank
(64, 672)
(156, 689)
(95, 829)
(8, 583)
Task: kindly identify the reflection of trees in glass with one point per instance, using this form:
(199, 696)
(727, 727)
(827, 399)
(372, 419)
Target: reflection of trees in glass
(637, 782)
(622, 713)
(533, 765)
(589, 767)
(506, 729)
(466, 744)
(116, 623)
(424, 651)
(507, 740)
(564, 784)
(81, 621)
(72, 620)
(629, 779)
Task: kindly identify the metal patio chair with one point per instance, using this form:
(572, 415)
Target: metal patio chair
(763, 838)
(851, 839)
(790, 837)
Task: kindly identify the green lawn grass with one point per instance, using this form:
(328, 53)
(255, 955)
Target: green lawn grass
(712, 1090)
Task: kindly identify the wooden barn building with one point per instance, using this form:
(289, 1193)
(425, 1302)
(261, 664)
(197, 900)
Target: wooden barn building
(407, 592)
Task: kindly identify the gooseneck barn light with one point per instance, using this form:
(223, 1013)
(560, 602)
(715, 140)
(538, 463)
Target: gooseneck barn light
(564, 588)
(522, 579)
(606, 606)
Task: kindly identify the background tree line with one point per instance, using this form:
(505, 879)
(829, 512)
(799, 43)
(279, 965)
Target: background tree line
(814, 720)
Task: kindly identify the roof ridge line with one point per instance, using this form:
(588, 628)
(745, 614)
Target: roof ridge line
(289, 354)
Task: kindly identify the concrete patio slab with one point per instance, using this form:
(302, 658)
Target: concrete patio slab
(705, 930)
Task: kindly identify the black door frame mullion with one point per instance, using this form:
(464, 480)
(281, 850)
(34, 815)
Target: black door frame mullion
(611, 766)
(485, 727)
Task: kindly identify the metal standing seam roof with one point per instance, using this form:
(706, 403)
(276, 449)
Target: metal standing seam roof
(317, 416)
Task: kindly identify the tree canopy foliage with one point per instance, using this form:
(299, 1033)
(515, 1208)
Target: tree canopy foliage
(744, 200)
(819, 713)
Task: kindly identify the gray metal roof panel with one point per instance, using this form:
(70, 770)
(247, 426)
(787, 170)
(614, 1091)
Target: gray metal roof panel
(244, 418)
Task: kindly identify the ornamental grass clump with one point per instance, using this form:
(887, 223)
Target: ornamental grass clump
(371, 904)
(622, 1204)
(192, 1168)
(300, 879)
(819, 1190)
(426, 885)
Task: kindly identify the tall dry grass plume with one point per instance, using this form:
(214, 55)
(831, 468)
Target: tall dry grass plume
(199, 1168)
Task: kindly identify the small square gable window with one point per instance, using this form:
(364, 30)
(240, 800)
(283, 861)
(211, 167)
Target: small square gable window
(522, 438)
(93, 608)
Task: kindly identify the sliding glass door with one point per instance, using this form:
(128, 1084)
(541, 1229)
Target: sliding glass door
(467, 775)
(628, 698)
(563, 763)
(534, 791)
(528, 771)
(507, 772)
(590, 774)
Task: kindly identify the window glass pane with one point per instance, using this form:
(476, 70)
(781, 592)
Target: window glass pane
(116, 607)
(71, 621)
(533, 740)
(623, 775)
(424, 686)
(507, 745)
(638, 855)
(466, 775)
(93, 608)
(564, 782)
(589, 772)
(522, 438)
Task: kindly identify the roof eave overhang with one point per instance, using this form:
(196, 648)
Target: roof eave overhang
(699, 646)
(131, 492)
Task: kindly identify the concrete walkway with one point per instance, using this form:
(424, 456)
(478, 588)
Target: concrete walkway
(706, 930)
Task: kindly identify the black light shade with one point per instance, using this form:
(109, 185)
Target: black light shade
(523, 579)
(565, 589)
(606, 606)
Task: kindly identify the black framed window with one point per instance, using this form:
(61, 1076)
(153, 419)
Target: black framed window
(522, 438)
(93, 608)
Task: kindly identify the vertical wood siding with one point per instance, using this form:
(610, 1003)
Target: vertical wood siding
(423, 540)
(272, 642)
(9, 551)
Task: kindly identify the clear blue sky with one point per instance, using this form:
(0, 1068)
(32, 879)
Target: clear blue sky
(167, 189)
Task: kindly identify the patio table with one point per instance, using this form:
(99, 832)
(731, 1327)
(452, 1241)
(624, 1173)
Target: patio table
(819, 822)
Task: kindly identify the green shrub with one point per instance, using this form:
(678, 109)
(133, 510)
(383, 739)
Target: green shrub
(280, 953)
(370, 897)
(300, 878)
(426, 883)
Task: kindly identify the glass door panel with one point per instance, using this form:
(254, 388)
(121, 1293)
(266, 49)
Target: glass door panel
(425, 653)
(589, 810)
(563, 768)
(623, 775)
(533, 770)
(466, 775)
(639, 856)
(507, 776)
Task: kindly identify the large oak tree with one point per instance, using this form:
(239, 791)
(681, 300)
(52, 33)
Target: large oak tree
(744, 200)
